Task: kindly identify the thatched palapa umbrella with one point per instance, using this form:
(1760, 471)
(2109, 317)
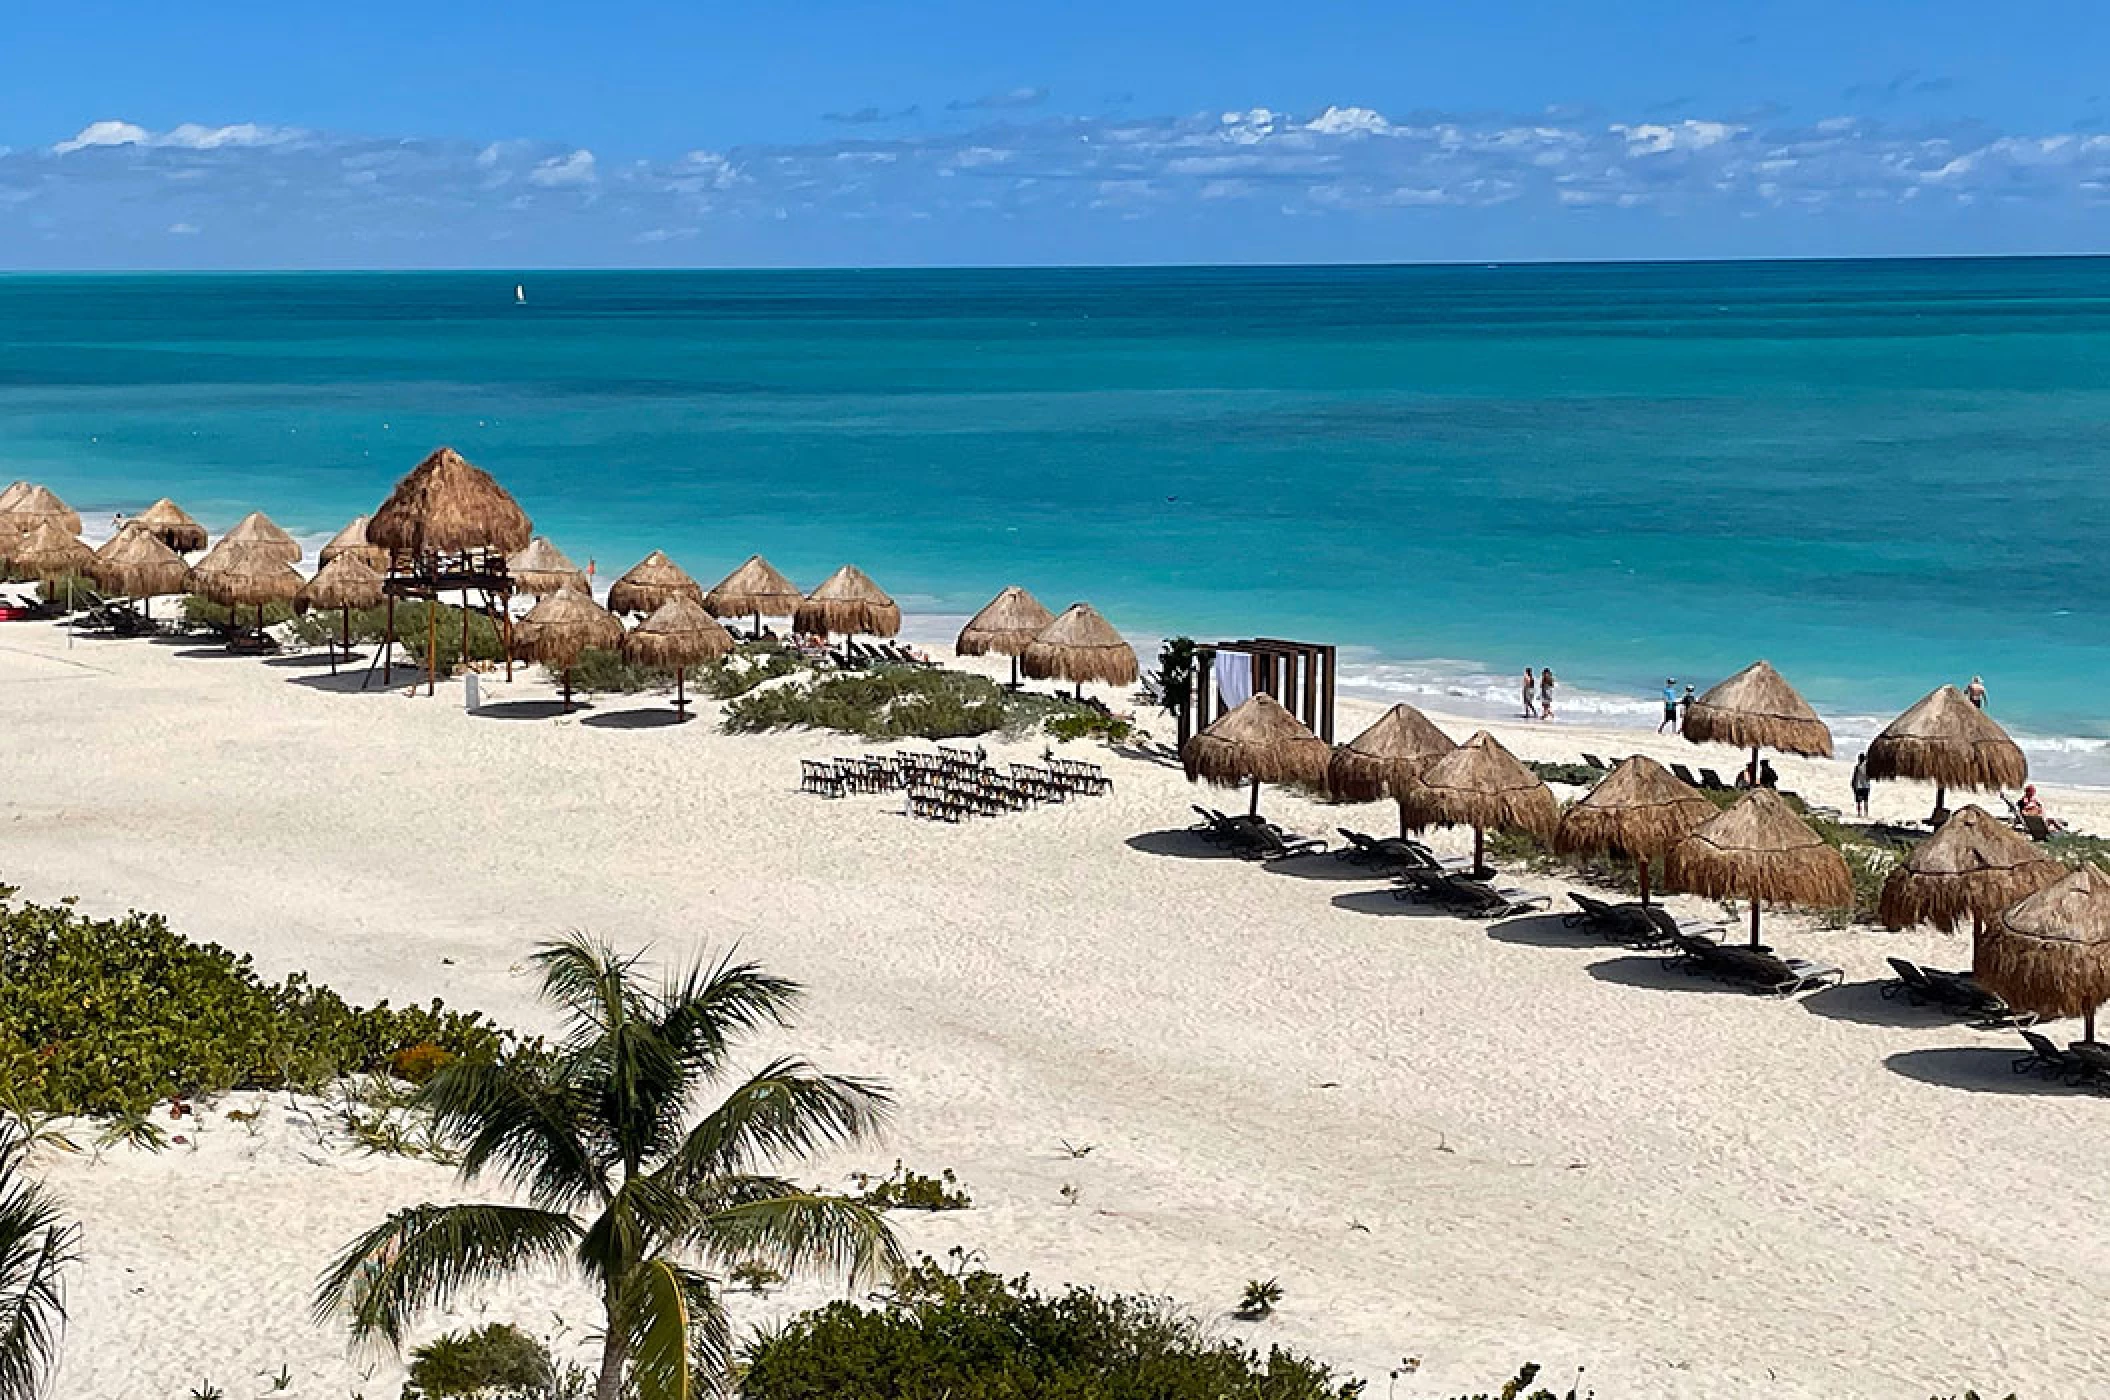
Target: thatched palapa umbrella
(237, 574)
(33, 505)
(678, 635)
(352, 540)
(1480, 784)
(1973, 868)
(172, 525)
(1951, 743)
(756, 590)
(847, 605)
(50, 553)
(1638, 810)
(447, 517)
(344, 583)
(1259, 742)
(1387, 758)
(257, 528)
(1760, 850)
(561, 626)
(1007, 625)
(139, 564)
(1080, 646)
(2051, 953)
(1756, 709)
(542, 568)
(652, 581)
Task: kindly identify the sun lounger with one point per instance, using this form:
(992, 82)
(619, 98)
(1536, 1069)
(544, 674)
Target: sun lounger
(2048, 1060)
(1595, 762)
(1955, 992)
(1711, 781)
(1684, 775)
(1627, 924)
(1762, 973)
(2091, 1064)
(1264, 841)
(1479, 900)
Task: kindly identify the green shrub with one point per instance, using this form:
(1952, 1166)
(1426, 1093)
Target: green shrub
(1573, 774)
(370, 626)
(902, 1189)
(114, 1015)
(69, 589)
(204, 612)
(607, 673)
(893, 703)
(749, 666)
(978, 1336)
(494, 1362)
(1083, 722)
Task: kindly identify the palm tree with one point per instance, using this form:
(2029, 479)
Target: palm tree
(36, 1248)
(593, 1136)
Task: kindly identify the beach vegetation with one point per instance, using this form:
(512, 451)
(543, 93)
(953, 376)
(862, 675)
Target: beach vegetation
(754, 1276)
(369, 626)
(1259, 1298)
(497, 1361)
(599, 671)
(907, 703)
(71, 590)
(111, 1016)
(417, 1063)
(969, 1334)
(902, 1189)
(1082, 722)
(1171, 686)
(622, 1181)
(200, 611)
(38, 1245)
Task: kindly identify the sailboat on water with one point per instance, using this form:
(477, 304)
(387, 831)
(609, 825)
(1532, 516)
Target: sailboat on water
(519, 294)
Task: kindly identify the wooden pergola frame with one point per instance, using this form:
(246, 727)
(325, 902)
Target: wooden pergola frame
(1299, 674)
(424, 577)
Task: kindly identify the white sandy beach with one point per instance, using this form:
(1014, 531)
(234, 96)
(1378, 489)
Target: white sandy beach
(1476, 1145)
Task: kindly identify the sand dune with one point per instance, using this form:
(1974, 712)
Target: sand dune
(1475, 1145)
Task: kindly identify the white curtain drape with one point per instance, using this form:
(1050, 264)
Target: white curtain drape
(1234, 678)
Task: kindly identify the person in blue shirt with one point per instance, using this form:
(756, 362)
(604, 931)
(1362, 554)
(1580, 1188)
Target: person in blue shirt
(1670, 705)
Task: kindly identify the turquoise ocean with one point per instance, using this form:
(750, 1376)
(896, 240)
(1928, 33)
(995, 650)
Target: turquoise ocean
(1879, 475)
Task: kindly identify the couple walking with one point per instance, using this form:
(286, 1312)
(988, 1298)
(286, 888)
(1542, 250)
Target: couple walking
(1538, 694)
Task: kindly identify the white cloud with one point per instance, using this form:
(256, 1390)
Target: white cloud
(184, 228)
(192, 137)
(104, 134)
(1652, 138)
(563, 172)
(1349, 121)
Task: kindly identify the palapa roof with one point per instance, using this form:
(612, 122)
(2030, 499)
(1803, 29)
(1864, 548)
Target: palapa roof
(1257, 741)
(679, 633)
(1388, 757)
(2050, 953)
(256, 528)
(1756, 708)
(1639, 809)
(848, 604)
(564, 624)
(1007, 625)
(755, 589)
(139, 564)
(1759, 849)
(172, 525)
(239, 573)
(651, 581)
(352, 540)
(1946, 739)
(35, 505)
(1973, 868)
(49, 551)
(1080, 646)
(1481, 784)
(542, 569)
(347, 581)
(447, 505)
(14, 492)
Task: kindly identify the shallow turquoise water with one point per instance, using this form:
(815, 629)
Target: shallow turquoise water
(1880, 475)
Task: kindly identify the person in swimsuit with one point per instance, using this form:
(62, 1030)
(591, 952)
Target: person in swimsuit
(1546, 693)
(1975, 691)
(1861, 786)
(1670, 704)
(1531, 707)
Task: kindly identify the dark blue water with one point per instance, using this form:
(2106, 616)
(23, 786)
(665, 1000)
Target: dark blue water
(1881, 475)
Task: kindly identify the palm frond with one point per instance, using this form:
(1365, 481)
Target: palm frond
(786, 1109)
(806, 1231)
(521, 1122)
(643, 1215)
(702, 1012)
(37, 1245)
(419, 1258)
(656, 1319)
(588, 980)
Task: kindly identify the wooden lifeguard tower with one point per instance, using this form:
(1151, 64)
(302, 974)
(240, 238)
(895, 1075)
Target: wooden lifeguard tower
(448, 528)
(1299, 674)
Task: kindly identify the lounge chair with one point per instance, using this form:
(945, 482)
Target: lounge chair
(1684, 775)
(2091, 1064)
(1595, 762)
(2048, 1060)
(1711, 781)
(1627, 924)
(1263, 841)
(1480, 900)
(1223, 830)
(1762, 973)
(1910, 982)
(2038, 828)
(1588, 912)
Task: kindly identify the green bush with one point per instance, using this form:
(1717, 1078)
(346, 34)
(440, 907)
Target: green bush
(370, 626)
(71, 588)
(1083, 722)
(894, 703)
(494, 1362)
(902, 1189)
(978, 1336)
(114, 1015)
(204, 612)
(749, 666)
(607, 673)
(1573, 774)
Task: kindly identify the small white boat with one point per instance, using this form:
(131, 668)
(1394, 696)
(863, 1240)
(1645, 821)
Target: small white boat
(519, 295)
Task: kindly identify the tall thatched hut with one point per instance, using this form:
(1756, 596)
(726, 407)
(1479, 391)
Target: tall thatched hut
(449, 527)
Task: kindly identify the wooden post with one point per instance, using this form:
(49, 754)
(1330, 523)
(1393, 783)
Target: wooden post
(1198, 693)
(1311, 690)
(1641, 874)
(432, 643)
(1254, 809)
(1754, 923)
(681, 699)
(1326, 697)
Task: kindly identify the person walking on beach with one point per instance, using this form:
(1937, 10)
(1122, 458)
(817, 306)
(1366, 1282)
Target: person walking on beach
(1975, 691)
(1860, 786)
(1767, 778)
(1685, 705)
(1546, 693)
(1670, 704)
(1531, 706)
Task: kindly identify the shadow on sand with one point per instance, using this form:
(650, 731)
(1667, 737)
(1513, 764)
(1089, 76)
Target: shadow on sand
(1177, 842)
(531, 709)
(1863, 1004)
(1384, 904)
(1977, 1069)
(352, 679)
(1657, 975)
(634, 719)
(1323, 865)
(1545, 931)
(308, 660)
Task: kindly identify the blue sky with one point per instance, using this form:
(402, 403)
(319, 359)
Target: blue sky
(540, 133)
